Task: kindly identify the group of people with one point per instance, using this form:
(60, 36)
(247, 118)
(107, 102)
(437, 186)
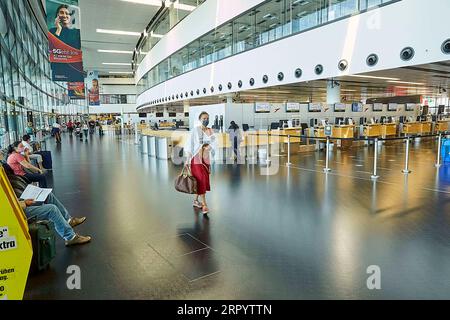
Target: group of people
(199, 148)
(21, 172)
(83, 130)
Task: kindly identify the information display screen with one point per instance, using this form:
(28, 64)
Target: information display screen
(392, 106)
(292, 107)
(315, 107)
(339, 107)
(410, 106)
(357, 107)
(262, 108)
(377, 107)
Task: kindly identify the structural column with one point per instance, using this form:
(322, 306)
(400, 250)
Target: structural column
(173, 13)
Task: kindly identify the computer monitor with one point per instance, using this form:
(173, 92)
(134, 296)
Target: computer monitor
(433, 118)
(304, 127)
(311, 122)
(339, 120)
(275, 125)
(362, 120)
(383, 119)
(402, 119)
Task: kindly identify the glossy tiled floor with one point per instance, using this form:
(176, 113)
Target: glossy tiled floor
(298, 234)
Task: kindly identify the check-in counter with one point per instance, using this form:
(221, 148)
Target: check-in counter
(412, 128)
(442, 126)
(425, 127)
(151, 146)
(144, 144)
(319, 132)
(344, 131)
(372, 130)
(388, 129)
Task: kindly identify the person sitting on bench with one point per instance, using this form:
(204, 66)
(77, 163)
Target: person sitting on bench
(18, 163)
(28, 151)
(52, 209)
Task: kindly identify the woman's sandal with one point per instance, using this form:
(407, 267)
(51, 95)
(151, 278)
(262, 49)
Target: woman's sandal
(205, 210)
(197, 204)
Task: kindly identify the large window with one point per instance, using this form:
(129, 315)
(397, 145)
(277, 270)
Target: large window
(25, 78)
(270, 21)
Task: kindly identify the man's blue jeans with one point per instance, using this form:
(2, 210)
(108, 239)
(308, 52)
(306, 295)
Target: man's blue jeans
(54, 211)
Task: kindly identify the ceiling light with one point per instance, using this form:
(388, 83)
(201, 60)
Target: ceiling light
(158, 3)
(120, 32)
(405, 82)
(155, 35)
(374, 77)
(120, 72)
(115, 51)
(116, 63)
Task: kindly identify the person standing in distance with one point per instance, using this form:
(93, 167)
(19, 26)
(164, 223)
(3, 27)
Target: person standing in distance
(199, 148)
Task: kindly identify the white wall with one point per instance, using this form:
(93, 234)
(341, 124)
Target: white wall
(384, 31)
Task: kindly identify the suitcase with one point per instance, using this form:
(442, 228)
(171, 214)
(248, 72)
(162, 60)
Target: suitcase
(46, 159)
(44, 245)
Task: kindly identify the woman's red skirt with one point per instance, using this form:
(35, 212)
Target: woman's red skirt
(200, 170)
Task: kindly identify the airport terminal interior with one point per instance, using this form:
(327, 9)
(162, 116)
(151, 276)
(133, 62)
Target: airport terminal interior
(224, 149)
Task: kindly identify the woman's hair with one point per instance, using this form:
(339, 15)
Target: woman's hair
(63, 6)
(26, 137)
(13, 146)
(203, 113)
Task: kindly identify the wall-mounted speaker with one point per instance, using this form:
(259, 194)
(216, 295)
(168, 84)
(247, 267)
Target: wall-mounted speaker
(280, 76)
(407, 54)
(318, 69)
(446, 46)
(372, 60)
(343, 65)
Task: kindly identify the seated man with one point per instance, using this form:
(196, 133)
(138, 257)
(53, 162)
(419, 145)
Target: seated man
(28, 151)
(52, 210)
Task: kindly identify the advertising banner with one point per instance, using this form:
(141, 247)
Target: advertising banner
(76, 90)
(64, 41)
(15, 243)
(93, 88)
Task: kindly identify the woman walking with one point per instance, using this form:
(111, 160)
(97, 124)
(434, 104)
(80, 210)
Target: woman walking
(199, 148)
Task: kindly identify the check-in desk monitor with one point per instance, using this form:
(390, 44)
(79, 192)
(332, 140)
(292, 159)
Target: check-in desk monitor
(339, 121)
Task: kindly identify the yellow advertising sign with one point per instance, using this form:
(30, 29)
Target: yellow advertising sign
(15, 244)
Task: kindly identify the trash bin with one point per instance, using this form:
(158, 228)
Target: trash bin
(151, 146)
(144, 144)
(163, 148)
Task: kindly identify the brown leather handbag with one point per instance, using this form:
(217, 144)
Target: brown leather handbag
(185, 182)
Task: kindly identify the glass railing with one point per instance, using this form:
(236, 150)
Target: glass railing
(268, 22)
(172, 14)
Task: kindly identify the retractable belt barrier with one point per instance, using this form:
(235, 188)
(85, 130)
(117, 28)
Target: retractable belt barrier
(443, 147)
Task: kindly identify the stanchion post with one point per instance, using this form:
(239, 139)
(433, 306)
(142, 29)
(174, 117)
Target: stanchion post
(406, 170)
(375, 160)
(327, 168)
(289, 151)
(438, 161)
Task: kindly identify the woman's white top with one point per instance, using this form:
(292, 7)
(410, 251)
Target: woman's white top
(197, 138)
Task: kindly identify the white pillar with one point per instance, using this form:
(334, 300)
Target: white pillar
(186, 106)
(173, 14)
(333, 92)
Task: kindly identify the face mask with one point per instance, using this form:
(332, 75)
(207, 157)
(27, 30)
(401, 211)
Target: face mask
(205, 122)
